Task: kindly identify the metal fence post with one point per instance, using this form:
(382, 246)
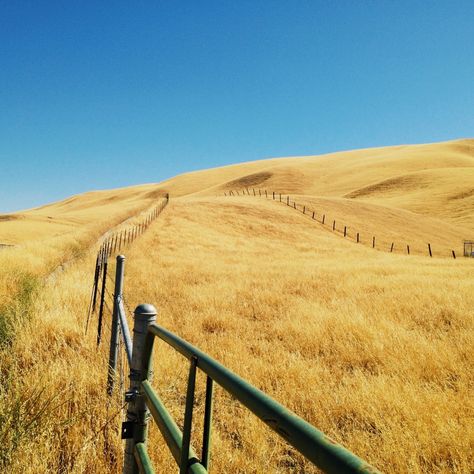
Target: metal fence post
(137, 412)
(102, 299)
(96, 281)
(114, 336)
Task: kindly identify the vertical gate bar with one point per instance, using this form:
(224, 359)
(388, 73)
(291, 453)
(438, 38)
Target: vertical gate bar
(140, 369)
(188, 417)
(206, 435)
(102, 300)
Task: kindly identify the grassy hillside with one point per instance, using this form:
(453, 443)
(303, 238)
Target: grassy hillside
(84, 212)
(373, 348)
(435, 180)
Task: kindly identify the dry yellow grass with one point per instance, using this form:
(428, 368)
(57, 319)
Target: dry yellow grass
(434, 179)
(374, 349)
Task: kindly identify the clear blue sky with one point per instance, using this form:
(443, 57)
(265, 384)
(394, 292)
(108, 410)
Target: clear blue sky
(95, 95)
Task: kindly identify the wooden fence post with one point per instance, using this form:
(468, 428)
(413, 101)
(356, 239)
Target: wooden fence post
(429, 250)
(345, 231)
(454, 254)
(324, 217)
(358, 237)
(391, 248)
(304, 209)
(294, 204)
(373, 242)
(280, 197)
(334, 225)
(287, 200)
(273, 195)
(408, 249)
(313, 215)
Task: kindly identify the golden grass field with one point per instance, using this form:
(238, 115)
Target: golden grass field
(375, 349)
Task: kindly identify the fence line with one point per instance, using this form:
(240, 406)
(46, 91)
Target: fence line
(142, 400)
(313, 215)
(116, 242)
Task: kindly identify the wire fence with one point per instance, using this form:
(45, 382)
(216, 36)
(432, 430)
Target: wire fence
(113, 243)
(334, 224)
(110, 309)
(140, 402)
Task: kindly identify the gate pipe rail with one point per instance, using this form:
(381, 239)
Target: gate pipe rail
(127, 340)
(318, 448)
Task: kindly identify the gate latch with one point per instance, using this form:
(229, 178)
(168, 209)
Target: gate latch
(127, 429)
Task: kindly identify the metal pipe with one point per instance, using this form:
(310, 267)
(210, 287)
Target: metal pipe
(188, 418)
(312, 443)
(127, 340)
(102, 300)
(169, 429)
(206, 432)
(137, 412)
(115, 334)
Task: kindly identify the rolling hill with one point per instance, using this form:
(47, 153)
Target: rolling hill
(409, 195)
(373, 348)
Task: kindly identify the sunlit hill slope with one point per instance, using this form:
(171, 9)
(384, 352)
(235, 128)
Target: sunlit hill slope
(408, 194)
(373, 348)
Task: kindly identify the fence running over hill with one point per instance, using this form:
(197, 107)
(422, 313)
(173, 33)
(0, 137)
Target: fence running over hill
(112, 243)
(141, 398)
(6, 246)
(342, 229)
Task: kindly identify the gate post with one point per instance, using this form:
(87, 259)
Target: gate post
(137, 412)
(115, 330)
